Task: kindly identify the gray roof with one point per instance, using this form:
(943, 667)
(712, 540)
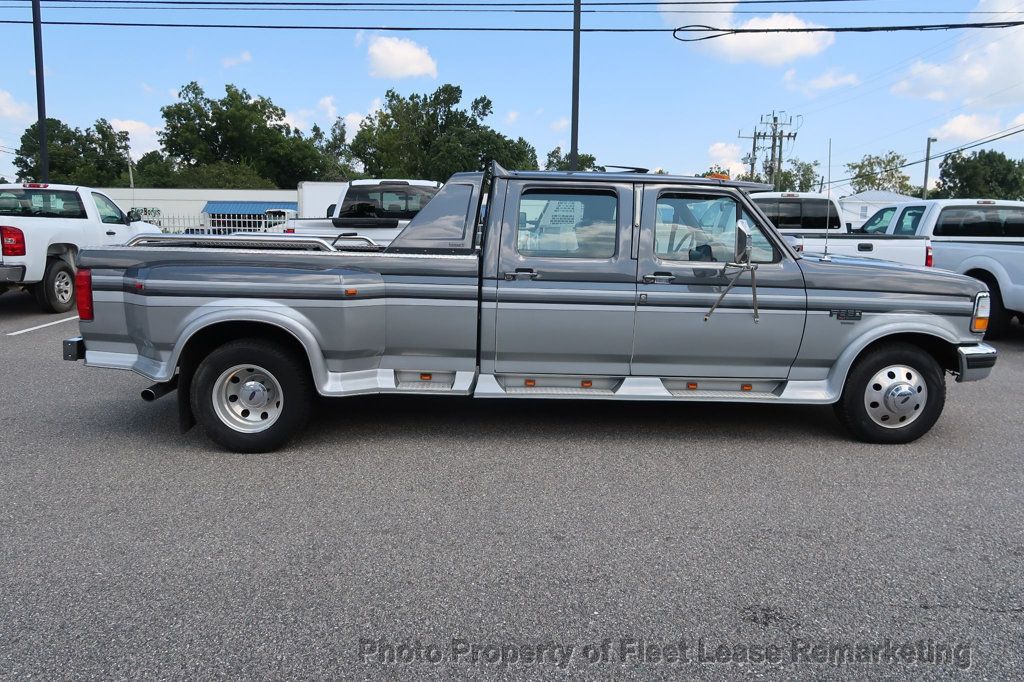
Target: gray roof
(592, 176)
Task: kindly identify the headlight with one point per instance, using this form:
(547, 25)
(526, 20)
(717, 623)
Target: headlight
(982, 309)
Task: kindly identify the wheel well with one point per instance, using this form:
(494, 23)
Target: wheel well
(943, 351)
(985, 276)
(66, 252)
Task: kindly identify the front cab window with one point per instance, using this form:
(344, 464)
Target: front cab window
(692, 227)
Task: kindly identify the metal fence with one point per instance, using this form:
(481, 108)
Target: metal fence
(212, 224)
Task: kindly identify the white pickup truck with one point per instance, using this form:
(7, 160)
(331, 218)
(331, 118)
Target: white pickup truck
(374, 209)
(42, 229)
(983, 238)
(807, 218)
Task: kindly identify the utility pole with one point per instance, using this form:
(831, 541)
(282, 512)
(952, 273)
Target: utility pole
(927, 162)
(37, 37)
(771, 127)
(756, 137)
(574, 148)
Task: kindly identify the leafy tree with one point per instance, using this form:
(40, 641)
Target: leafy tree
(240, 129)
(335, 150)
(880, 172)
(801, 176)
(156, 170)
(715, 169)
(981, 174)
(429, 136)
(95, 156)
(584, 162)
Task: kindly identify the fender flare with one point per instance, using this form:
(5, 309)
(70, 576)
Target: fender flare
(989, 265)
(265, 312)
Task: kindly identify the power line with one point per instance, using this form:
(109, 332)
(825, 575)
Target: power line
(994, 137)
(723, 32)
(435, 3)
(307, 27)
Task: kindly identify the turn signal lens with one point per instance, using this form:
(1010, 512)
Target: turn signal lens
(929, 257)
(982, 310)
(13, 241)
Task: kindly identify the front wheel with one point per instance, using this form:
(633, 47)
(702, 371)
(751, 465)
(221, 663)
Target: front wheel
(893, 394)
(251, 395)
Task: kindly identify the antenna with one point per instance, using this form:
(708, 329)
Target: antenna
(828, 203)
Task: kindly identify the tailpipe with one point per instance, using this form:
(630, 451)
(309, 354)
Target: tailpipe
(159, 390)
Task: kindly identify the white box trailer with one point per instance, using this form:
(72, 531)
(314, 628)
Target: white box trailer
(316, 198)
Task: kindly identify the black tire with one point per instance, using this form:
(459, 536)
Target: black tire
(56, 293)
(896, 399)
(999, 318)
(294, 387)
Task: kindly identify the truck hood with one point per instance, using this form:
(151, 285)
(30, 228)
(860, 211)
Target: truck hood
(871, 274)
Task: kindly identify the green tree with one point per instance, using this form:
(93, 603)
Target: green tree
(335, 150)
(982, 174)
(96, 156)
(241, 129)
(715, 169)
(801, 176)
(584, 162)
(429, 136)
(882, 172)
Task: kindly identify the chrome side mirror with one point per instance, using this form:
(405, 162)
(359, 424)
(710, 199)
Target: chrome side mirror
(742, 241)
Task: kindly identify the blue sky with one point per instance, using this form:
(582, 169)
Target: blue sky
(646, 99)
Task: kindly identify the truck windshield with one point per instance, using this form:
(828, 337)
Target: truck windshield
(385, 201)
(40, 203)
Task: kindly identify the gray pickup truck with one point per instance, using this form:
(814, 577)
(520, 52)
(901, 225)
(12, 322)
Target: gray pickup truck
(614, 286)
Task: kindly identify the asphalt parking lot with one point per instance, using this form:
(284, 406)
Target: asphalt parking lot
(497, 532)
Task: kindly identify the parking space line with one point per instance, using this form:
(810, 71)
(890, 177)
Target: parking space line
(40, 326)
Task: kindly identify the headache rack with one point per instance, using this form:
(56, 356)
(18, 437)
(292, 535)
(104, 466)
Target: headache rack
(275, 242)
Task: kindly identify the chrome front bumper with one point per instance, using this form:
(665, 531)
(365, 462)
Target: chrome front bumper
(975, 361)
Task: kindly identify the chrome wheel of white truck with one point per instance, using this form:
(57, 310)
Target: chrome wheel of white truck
(894, 393)
(56, 293)
(251, 395)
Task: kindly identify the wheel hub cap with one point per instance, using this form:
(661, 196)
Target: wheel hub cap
(247, 398)
(895, 396)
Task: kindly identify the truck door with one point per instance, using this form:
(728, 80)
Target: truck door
(113, 229)
(566, 289)
(686, 236)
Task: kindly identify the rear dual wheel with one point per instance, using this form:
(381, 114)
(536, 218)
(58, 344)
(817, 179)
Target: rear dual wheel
(251, 395)
(893, 394)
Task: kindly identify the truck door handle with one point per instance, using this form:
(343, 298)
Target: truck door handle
(522, 273)
(111, 233)
(865, 247)
(659, 278)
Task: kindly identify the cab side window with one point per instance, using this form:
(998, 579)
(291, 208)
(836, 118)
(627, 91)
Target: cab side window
(879, 222)
(694, 227)
(108, 210)
(567, 224)
(909, 220)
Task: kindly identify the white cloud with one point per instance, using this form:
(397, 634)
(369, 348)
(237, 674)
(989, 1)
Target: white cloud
(560, 124)
(13, 110)
(829, 80)
(967, 127)
(727, 155)
(230, 62)
(767, 48)
(146, 88)
(984, 71)
(512, 117)
(299, 119)
(326, 105)
(354, 119)
(142, 136)
(399, 58)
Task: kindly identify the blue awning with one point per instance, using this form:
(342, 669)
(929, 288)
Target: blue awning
(246, 207)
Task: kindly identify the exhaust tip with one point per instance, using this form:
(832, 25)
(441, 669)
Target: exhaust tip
(148, 394)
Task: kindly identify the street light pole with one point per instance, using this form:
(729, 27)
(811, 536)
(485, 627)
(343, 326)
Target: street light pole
(574, 149)
(37, 37)
(927, 162)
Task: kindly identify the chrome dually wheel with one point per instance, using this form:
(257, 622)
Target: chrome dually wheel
(895, 396)
(248, 398)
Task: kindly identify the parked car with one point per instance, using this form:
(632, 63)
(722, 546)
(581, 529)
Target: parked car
(814, 224)
(604, 286)
(983, 238)
(44, 226)
(374, 209)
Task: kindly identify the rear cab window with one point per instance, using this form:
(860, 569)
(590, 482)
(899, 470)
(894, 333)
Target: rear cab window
(567, 223)
(41, 203)
(800, 213)
(980, 221)
(387, 200)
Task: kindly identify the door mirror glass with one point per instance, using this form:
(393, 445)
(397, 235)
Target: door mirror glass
(742, 241)
(133, 217)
